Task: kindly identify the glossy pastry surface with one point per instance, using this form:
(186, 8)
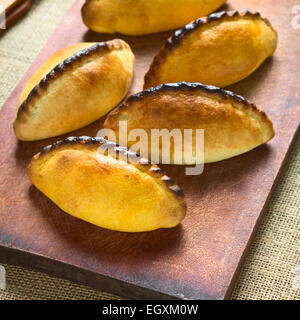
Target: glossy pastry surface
(218, 50)
(76, 86)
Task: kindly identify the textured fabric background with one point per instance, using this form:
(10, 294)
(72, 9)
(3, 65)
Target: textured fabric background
(270, 271)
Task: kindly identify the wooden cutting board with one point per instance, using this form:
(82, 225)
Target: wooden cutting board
(8, 5)
(201, 258)
(14, 9)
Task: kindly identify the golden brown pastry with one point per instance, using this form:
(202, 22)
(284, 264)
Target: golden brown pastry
(219, 50)
(104, 190)
(231, 124)
(76, 86)
(138, 17)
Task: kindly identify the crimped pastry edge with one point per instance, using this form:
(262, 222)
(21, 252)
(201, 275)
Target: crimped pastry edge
(179, 35)
(208, 90)
(65, 66)
(143, 164)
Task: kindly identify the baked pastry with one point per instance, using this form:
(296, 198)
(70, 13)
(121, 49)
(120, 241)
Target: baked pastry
(75, 87)
(219, 50)
(231, 124)
(143, 16)
(91, 184)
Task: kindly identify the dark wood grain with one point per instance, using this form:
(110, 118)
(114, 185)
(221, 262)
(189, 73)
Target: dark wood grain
(201, 258)
(15, 10)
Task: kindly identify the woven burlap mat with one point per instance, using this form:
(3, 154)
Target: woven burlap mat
(270, 270)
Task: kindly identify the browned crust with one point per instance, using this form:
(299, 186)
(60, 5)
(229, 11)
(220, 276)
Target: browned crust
(143, 164)
(85, 5)
(68, 65)
(180, 34)
(199, 87)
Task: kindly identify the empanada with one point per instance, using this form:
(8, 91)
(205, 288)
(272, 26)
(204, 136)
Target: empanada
(138, 17)
(219, 50)
(107, 191)
(231, 124)
(75, 87)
